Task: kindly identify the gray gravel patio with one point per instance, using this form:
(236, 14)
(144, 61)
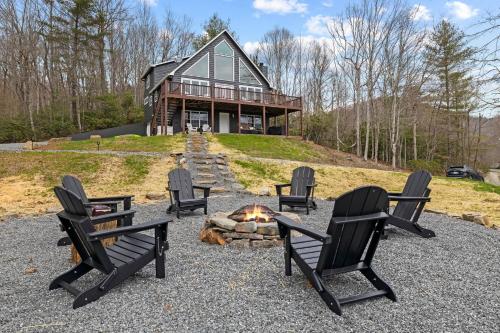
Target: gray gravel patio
(449, 283)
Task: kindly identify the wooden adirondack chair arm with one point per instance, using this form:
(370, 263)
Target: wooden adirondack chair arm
(289, 224)
(279, 187)
(127, 230)
(112, 198)
(112, 216)
(106, 203)
(401, 198)
(360, 218)
(205, 188)
(394, 194)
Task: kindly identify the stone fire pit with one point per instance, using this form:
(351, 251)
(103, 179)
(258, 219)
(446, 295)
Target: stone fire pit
(249, 226)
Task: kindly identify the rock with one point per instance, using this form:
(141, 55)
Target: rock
(95, 137)
(155, 196)
(206, 181)
(271, 237)
(210, 236)
(217, 189)
(220, 161)
(266, 243)
(295, 218)
(240, 243)
(53, 210)
(221, 167)
(205, 175)
(477, 218)
(264, 192)
(183, 161)
(237, 186)
(30, 270)
(222, 221)
(270, 229)
(246, 227)
(241, 235)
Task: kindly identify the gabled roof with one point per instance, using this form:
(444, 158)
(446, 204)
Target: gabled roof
(185, 60)
(151, 66)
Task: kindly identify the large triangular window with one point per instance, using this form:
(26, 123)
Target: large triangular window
(246, 76)
(224, 61)
(224, 49)
(199, 68)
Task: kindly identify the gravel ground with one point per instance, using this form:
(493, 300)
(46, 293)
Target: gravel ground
(449, 283)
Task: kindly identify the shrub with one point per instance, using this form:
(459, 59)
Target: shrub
(433, 166)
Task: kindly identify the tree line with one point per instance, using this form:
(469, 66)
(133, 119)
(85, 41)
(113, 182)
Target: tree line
(382, 85)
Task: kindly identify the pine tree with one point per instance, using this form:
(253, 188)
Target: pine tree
(214, 26)
(448, 57)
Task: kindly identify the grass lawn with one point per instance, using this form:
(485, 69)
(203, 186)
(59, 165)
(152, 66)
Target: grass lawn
(267, 146)
(453, 196)
(161, 143)
(27, 179)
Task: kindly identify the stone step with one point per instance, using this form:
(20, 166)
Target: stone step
(205, 181)
(206, 175)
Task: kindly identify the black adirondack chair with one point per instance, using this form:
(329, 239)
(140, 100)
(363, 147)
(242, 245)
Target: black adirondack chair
(130, 253)
(355, 228)
(73, 184)
(181, 191)
(411, 203)
(301, 190)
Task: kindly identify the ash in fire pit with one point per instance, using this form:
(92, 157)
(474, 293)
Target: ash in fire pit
(257, 213)
(249, 226)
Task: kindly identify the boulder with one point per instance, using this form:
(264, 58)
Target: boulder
(222, 221)
(264, 192)
(217, 189)
(478, 218)
(242, 235)
(248, 227)
(220, 161)
(155, 196)
(295, 218)
(240, 243)
(269, 229)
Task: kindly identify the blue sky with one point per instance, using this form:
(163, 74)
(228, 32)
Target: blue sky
(250, 19)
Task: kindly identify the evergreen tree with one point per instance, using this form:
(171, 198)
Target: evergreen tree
(214, 26)
(448, 56)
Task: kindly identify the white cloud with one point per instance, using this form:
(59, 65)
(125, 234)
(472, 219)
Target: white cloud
(150, 3)
(281, 7)
(251, 47)
(327, 3)
(421, 13)
(319, 24)
(462, 10)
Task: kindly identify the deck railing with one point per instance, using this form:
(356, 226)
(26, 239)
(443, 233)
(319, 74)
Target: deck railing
(230, 94)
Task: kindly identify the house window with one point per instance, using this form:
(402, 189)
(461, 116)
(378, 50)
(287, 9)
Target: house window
(224, 62)
(196, 87)
(246, 75)
(224, 91)
(250, 122)
(196, 118)
(199, 68)
(251, 93)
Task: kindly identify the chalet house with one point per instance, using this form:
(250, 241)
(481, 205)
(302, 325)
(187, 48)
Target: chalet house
(217, 88)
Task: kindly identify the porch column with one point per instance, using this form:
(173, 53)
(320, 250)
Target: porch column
(166, 106)
(160, 105)
(212, 116)
(286, 122)
(301, 126)
(239, 118)
(264, 120)
(183, 115)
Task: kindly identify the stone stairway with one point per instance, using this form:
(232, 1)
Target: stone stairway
(209, 169)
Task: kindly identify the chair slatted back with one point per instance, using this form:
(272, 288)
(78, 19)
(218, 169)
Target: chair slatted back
(74, 185)
(76, 221)
(416, 186)
(350, 239)
(301, 177)
(180, 179)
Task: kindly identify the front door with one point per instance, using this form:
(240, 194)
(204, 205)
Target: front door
(223, 122)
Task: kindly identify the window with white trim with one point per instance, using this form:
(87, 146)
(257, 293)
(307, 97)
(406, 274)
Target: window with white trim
(224, 91)
(199, 68)
(246, 75)
(197, 118)
(251, 93)
(250, 122)
(196, 87)
(224, 62)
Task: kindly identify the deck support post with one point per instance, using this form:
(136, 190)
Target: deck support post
(286, 122)
(159, 104)
(264, 120)
(239, 118)
(183, 115)
(301, 125)
(166, 107)
(212, 116)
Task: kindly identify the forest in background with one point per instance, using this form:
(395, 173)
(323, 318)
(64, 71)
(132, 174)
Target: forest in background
(383, 86)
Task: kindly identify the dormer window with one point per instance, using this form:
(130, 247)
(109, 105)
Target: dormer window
(224, 61)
